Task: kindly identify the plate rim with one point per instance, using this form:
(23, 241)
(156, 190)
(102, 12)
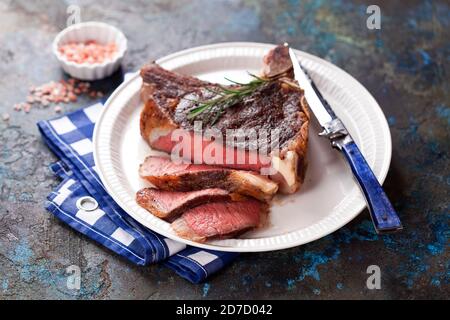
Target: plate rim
(273, 247)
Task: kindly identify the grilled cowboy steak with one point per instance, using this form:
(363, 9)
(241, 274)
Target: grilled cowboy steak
(169, 176)
(219, 219)
(169, 204)
(169, 97)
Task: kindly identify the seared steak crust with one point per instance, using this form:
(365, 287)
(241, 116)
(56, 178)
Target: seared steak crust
(175, 99)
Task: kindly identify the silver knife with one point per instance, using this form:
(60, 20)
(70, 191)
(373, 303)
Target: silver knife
(383, 215)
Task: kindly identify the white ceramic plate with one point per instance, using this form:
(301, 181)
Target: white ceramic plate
(329, 198)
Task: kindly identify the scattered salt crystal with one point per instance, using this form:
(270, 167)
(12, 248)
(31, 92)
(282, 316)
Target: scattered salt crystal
(5, 117)
(26, 107)
(72, 97)
(62, 91)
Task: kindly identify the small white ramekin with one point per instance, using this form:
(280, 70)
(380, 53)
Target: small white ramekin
(102, 33)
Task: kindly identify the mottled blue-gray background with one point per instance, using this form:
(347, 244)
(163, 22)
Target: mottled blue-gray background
(405, 65)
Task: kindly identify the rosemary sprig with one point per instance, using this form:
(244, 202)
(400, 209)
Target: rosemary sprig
(225, 97)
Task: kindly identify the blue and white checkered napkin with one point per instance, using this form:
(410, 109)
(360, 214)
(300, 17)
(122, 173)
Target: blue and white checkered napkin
(70, 138)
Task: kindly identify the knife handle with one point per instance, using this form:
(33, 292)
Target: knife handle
(383, 215)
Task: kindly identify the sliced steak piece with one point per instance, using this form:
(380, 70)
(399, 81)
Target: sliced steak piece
(170, 204)
(167, 175)
(219, 219)
(169, 97)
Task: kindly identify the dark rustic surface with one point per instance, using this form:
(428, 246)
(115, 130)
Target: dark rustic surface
(404, 65)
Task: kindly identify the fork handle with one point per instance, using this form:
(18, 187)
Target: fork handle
(383, 215)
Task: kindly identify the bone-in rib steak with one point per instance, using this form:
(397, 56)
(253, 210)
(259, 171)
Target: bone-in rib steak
(170, 96)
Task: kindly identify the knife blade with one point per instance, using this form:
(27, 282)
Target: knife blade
(317, 103)
(384, 217)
